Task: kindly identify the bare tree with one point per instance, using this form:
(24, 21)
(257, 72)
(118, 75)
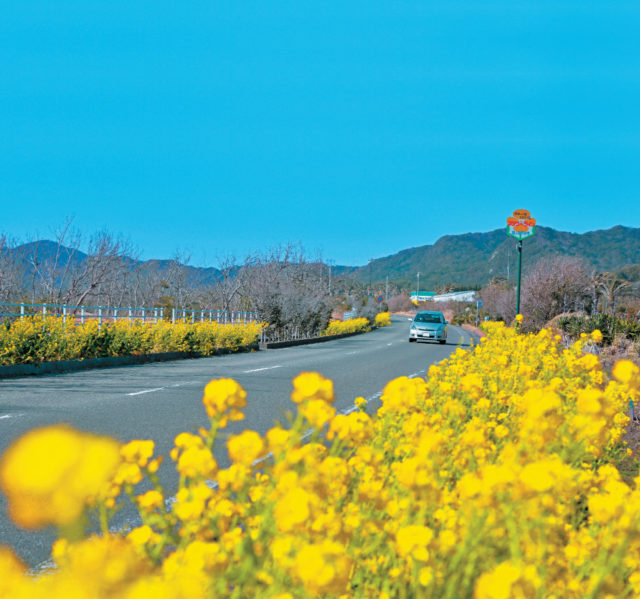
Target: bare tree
(554, 286)
(400, 303)
(499, 299)
(11, 272)
(62, 273)
(287, 291)
(226, 294)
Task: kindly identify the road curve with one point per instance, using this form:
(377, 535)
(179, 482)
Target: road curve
(158, 401)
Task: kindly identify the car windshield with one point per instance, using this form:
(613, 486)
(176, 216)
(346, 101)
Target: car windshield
(436, 318)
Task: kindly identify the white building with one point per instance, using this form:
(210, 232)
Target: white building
(456, 296)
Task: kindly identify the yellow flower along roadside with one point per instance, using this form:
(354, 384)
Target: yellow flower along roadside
(36, 339)
(495, 478)
(356, 325)
(382, 319)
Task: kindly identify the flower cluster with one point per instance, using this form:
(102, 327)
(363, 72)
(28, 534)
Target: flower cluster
(36, 339)
(352, 325)
(50, 473)
(494, 478)
(382, 319)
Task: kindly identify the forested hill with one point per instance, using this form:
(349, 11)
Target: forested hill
(475, 258)
(463, 260)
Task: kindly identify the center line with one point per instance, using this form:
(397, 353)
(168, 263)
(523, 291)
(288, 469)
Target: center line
(265, 368)
(147, 391)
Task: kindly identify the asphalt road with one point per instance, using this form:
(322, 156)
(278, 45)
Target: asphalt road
(158, 401)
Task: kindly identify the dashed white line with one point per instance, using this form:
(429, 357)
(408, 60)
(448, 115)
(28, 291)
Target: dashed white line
(5, 416)
(147, 391)
(261, 369)
(388, 344)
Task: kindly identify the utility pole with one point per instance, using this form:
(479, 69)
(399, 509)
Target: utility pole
(418, 288)
(369, 293)
(329, 264)
(386, 293)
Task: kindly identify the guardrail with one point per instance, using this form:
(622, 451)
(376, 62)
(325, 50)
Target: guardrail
(80, 314)
(221, 316)
(270, 335)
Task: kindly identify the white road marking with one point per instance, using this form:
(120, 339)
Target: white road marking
(5, 416)
(415, 374)
(350, 353)
(368, 399)
(388, 344)
(147, 391)
(260, 369)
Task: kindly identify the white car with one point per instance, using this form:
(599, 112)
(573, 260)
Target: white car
(428, 326)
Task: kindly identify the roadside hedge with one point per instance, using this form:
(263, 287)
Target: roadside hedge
(36, 339)
(352, 325)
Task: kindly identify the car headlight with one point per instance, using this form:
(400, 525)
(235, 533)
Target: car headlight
(413, 327)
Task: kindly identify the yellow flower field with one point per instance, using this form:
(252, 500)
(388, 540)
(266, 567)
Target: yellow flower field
(493, 479)
(36, 339)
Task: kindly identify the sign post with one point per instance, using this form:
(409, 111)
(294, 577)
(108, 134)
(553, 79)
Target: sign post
(520, 226)
(478, 304)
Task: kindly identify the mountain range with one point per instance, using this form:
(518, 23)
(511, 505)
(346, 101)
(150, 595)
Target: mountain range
(467, 260)
(473, 259)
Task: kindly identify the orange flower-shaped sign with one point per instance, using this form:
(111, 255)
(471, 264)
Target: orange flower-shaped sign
(521, 225)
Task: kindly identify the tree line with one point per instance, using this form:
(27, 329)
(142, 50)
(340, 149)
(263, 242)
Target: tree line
(296, 295)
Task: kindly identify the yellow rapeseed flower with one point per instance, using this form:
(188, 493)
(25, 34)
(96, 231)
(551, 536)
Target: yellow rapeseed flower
(293, 509)
(312, 385)
(49, 473)
(220, 395)
(627, 372)
(246, 447)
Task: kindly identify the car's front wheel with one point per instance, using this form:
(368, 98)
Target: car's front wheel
(411, 340)
(443, 341)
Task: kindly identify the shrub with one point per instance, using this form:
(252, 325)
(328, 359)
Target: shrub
(36, 339)
(352, 325)
(574, 325)
(382, 319)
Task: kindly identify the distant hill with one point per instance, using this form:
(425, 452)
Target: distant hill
(474, 259)
(467, 260)
(46, 251)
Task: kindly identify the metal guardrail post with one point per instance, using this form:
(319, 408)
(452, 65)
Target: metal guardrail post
(44, 311)
(130, 316)
(21, 311)
(64, 314)
(173, 315)
(99, 317)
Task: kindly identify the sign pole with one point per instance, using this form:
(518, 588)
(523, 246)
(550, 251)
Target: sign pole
(520, 226)
(519, 275)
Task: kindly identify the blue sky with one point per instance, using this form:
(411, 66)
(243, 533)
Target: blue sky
(356, 128)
